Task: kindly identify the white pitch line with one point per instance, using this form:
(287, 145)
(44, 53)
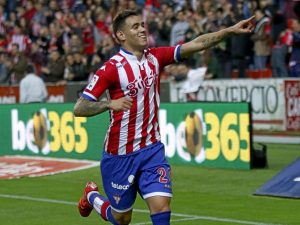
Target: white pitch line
(37, 199)
(188, 216)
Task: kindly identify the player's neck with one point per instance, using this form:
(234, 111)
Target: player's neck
(137, 52)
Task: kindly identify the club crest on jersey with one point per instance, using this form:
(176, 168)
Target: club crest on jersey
(93, 82)
(117, 198)
(151, 59)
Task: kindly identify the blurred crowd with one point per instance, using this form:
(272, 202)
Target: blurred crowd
(67, 40)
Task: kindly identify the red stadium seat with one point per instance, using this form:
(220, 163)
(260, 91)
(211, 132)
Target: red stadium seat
(256, 74)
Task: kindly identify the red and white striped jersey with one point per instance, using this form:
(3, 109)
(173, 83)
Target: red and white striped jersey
(125, 75)
(21, 39)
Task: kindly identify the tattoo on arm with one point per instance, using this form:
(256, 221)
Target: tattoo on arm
(209, 40)
(203, 42)
(88, 108)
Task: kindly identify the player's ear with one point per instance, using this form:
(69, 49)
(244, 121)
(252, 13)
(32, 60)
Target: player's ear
(120, 35)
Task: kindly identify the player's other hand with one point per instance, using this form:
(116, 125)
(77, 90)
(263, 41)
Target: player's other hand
(244, 26)
(121, 104)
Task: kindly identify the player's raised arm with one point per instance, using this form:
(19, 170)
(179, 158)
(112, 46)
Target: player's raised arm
(205, 41)
(86, 108)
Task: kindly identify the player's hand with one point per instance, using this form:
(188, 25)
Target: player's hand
(121, 104)
(244, 26)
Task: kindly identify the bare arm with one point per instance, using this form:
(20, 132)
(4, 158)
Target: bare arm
(88, 108)
(208, 40)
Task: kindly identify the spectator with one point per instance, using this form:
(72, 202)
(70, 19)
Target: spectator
(19, 38)
(4, 75)
(192, 32)
(53, 25)
(44, 40)
(279, 53)
(261, 38)
(32, 87)
(278, 25)
(211, 24)
(37, 58)
(54, 70)
(164, 25)
(294, 63)
(75, 44)
(97, 62)
(68, 73)
(79, 68)
(3, 42)
(179, 28)
(86, 32)
(39, 16)
(107, 48)
(30, 11)
(50, 11)
(11, 5)
(24, 25)
(132, 4)
(241, 47)
(223, 56)
(10, 22)
(2, 20)
(101, 28)
(57, 38)
(17, 64)
(224, 15)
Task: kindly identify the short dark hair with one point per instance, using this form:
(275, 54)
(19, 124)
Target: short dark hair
(30, 68)
(119, 20)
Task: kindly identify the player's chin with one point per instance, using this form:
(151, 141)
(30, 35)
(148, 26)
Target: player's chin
(143, 44)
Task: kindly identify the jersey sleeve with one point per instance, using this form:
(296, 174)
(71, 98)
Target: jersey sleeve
(102, 80)
(167, 55)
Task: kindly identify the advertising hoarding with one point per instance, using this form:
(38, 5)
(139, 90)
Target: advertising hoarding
(208, 134)
(292, 104)
(10, 94)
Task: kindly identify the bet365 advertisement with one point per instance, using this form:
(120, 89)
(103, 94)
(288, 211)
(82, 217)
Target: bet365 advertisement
(208, 134)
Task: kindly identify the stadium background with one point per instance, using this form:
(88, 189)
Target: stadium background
(213, 196)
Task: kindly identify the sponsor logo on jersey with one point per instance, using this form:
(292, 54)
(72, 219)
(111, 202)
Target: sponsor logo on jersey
(119, 186)
(93, 82)
(141, 84)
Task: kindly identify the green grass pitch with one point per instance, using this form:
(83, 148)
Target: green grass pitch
(201, 196)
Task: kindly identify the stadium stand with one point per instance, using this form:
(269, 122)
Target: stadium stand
(82, 29)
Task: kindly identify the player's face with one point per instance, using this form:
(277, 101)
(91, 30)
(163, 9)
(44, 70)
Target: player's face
(135, 33)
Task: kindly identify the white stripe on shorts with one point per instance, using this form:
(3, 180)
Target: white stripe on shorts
(164, 194)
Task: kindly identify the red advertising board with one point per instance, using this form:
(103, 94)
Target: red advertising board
(56, 93)
(292, 104)
(10, 94)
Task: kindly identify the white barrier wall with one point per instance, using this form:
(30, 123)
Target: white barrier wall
(275, 102)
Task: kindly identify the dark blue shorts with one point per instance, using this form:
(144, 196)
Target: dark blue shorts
(145, 171)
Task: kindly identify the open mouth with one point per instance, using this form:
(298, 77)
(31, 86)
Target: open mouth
(143, 37)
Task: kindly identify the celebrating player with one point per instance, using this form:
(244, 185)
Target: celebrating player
(134, 158)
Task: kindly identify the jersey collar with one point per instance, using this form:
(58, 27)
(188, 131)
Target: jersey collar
(129, 55)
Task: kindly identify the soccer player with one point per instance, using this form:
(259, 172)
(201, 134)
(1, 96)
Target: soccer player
(134, 158)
